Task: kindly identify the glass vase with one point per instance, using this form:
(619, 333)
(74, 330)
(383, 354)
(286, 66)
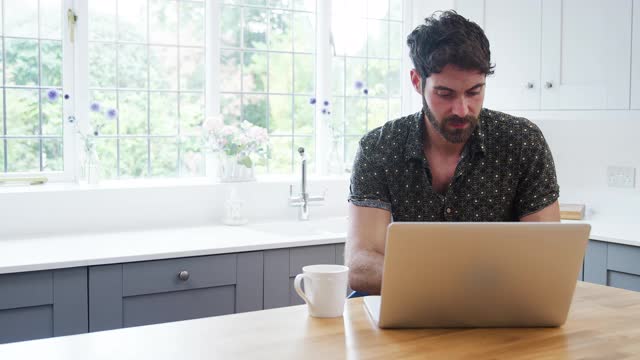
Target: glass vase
(231, 170)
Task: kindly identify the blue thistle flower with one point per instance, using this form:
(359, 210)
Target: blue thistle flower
(366, 91)
(52, 95)
(312, 101)
(95, 107)
(95, 133)
(112, 114)
(66, 96)
(324, 111)
(358, 84)
(326, 103)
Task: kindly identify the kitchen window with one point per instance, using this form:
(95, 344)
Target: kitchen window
(133, 74)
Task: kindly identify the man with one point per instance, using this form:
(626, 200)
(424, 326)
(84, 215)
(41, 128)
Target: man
(453, 161)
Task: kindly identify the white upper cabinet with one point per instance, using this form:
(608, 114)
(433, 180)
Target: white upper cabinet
(556, 55)
(635, 57)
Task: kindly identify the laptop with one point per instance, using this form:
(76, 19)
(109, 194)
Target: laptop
(451, 275)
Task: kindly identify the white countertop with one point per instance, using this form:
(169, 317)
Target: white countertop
(55, 252)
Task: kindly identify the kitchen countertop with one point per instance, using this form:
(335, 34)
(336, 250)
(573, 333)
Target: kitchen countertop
(602, 324)
(43, 253)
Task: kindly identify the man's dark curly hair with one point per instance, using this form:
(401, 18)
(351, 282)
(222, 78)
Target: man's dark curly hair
(449, 39)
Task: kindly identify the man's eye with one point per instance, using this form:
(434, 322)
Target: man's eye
(473, 93)
(445, 94)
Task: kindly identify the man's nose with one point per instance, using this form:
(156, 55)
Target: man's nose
(460, 107)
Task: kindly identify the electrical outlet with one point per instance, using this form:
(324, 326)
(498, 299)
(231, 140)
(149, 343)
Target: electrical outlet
(621, 176)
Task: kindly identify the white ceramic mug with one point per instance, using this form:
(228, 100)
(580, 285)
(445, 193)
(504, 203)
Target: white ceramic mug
(325, 289)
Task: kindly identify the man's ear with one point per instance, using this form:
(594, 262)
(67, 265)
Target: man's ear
(416, 81)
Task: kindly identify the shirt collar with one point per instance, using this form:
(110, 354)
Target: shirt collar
(415, 143)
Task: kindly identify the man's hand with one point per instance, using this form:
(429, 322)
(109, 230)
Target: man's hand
(550, 214)
(365, 247)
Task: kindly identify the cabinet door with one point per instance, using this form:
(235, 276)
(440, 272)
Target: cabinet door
(514, 32)
(635, 57)
(151, 292)
(586, 54)
(43, 304)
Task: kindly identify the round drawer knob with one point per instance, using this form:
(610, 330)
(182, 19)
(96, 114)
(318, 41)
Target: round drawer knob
(183, 275)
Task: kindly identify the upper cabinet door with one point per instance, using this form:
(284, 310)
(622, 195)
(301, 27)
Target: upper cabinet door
(514, 32)
(635, 57)
(586, 54)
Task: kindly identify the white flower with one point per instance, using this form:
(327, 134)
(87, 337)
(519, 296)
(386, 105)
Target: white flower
(213, 123)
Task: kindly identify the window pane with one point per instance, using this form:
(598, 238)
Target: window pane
(230, 28)
(101, 103)
(191, 23)
(280, 155)
(395, 110)
(132, 20)
(230, 70)
(21, 58)
(255, 109)
(2, 156)
(280, 73)
(336, 119)
(191, 157)
(102, 65)
(378, 38)
(255, 29)
(304, 74)
(51, 112)
(108, 157)
(230, 108)
(377, 109)
(23, 18)
(286, 4)
(304, 32)
(191, 113)
(102, 20)
(307, 5)
(52, 151)
(356, 72)
(133, 157)
(395, 10)
(163, 113)
(356, 116)
(255, 72)
(280, 119)
(349, 34)
(351, 146)
(397, 40)
(132, 66)
(337, 76)
(163, 67)
(191, 69)
(303, 116)
(378, 9)
(163, 22)
(395, 78)
(23, 155)
(280, 32)
(377, 81)
(51, 61)
(50, 19)
(22, 113)
(133, 112)
(164, 157)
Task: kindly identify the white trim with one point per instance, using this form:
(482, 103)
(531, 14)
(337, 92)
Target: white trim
(212, 57)
(323, 83)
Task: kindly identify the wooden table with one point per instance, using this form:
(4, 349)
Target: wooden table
(604, 323)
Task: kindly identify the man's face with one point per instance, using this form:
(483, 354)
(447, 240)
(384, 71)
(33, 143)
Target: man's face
(452, 101)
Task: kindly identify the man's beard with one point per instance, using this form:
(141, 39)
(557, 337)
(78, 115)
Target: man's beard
(456, 136)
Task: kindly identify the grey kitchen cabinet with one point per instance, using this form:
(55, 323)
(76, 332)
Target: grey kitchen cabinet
(282, 265)
(151, 292)
(42, 304)
(613, 264)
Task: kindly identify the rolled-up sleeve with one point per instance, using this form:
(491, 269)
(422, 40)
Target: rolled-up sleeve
(538, 185)
(368, 186)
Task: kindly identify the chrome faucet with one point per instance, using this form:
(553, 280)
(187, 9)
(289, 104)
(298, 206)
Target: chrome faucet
(303, 199)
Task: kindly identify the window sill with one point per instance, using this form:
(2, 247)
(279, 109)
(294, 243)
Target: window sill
(160, 183)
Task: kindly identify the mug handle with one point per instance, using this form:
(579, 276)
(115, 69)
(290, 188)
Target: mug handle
(296, 284)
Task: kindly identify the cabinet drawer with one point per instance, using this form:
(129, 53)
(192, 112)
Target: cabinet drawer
(162, 275)
(310, 255)
(26, 289)
(623, 258)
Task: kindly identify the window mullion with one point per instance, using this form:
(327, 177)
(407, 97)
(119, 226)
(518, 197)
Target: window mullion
(323, 83)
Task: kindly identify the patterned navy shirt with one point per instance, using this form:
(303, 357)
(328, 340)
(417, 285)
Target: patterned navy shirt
(505, 172)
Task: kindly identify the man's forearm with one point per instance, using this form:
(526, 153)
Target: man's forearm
(365, 272)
